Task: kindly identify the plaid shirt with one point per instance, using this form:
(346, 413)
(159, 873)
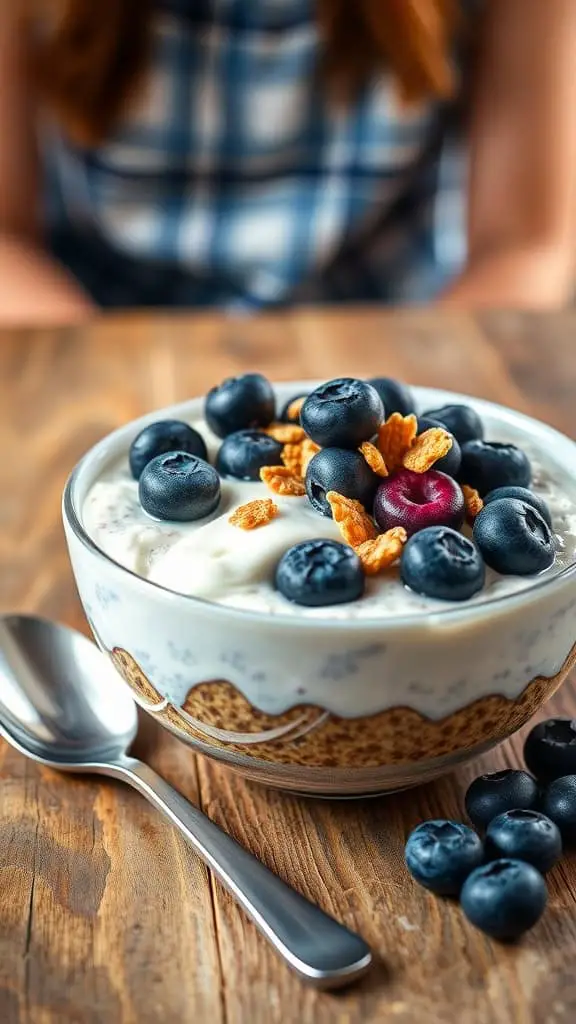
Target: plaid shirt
(234, 182)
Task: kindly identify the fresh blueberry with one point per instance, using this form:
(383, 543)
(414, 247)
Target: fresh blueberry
(240, 403)
(461, 420)
(559, 804)
(418, 500)
(441, 854)
(497, 792)
(451, 462)
(396, 397)
(162, 437)
(521, 494)
(514, 538)
(318, 573)
(243, 454)
(524, 835)
(441, 563)
(504, 899)
(179, 487)
(550, 749)
(487, 465)
(342, 413)
(288, 412)
(337, 469)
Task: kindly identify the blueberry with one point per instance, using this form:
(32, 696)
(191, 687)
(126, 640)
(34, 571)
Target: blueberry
(521, 494)
(559, 804)
(240, 403)
(162, 437)
(524, 835)
(342, 413)
(179, 487)
(550, 749)
(243, 454)
(396, 397)
(441, 854)
(440, 562)
(318, 573)
(487, 465)
(497, 792)
(287, 414)
(451, 462)
(504, 899)
(461, 420)
(514, 538)
(337, 469)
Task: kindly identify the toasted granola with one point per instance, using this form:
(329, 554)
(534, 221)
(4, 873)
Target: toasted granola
(427, 449)
(293, 410)
(380, 553)
(292, 458)
(355, 524)
(309, 450)
(374, 458)
(286, 433)
(395, 437)
(473, 502)
(254, 514)
(281, 480)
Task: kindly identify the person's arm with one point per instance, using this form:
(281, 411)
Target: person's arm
(33, 288)
(522, 199)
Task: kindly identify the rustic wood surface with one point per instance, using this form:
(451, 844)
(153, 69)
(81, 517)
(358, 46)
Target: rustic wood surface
(105, 916)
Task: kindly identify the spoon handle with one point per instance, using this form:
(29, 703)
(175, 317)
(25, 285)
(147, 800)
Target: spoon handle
(319, 949)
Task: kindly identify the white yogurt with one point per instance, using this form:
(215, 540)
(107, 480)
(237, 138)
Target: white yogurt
(213, 560)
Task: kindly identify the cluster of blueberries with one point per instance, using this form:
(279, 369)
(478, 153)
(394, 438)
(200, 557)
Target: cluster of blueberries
(512, 534)
(525, 819)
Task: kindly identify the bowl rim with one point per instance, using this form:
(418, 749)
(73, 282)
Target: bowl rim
(445, 616)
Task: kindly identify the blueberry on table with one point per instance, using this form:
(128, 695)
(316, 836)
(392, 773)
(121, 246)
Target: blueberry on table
(559, 804)
(497, 792)
(451, 462)
(162, 437)
(514, 538)
(418, 500)
(342, 413)
(396, 396)
(318, 573)
(291, 411)
(240, 403)
(179, 487)
(524, 835)
(461, 420)
(487, 465)
(441, 854)
(442, 564)
(341, 470)
(550, 749)
(504, 899)
(243, 454)
(521, 494)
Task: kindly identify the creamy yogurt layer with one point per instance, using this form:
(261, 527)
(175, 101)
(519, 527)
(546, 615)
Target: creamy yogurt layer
(216, 561)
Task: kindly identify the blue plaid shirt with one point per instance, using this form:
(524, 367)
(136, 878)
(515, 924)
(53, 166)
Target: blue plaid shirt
(234, 182)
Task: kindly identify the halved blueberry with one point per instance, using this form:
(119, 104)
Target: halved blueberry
(504, 899)
(396, 396)
(179, 487)
(162, 437)
(514, 538)
(497, 792)
(342, 413)
(524, 835)
(318, 573)
(487, 465)
(550, 749)
(418, 500)
(243, 454)
(441, 854)
(337, 469)
(461, 420)
(559, 804)
(240, 403)
(521, 494)
(451, 462)
(441, 563)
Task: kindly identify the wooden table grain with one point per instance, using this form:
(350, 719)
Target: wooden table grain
(105, 916)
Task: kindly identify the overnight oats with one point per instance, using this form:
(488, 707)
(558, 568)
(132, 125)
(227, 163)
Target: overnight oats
(338, 588)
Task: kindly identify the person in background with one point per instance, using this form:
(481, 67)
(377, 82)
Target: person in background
(253, 154)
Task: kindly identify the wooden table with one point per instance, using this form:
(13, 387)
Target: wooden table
(105, 916)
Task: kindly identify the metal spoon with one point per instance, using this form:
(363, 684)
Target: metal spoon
(62, 704)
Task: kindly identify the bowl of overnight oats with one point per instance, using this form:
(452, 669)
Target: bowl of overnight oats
(337, 588)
